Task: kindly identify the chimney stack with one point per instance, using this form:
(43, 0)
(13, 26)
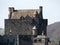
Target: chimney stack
(40, 14)
(11, 10)
(41, 8)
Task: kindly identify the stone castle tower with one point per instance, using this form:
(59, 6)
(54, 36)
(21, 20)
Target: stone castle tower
(26, 22)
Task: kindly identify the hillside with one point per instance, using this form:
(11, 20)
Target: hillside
(53, 31)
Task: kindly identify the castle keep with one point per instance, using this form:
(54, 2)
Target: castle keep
(21, 22)
(27, 23)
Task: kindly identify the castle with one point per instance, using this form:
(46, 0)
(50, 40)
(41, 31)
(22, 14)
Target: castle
(27, 23)
(21, 22)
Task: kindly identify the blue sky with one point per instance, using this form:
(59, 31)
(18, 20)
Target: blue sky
(51, 8)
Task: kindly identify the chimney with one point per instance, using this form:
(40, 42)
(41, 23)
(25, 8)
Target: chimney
(41, 8)
(40, 13)
(11, 10)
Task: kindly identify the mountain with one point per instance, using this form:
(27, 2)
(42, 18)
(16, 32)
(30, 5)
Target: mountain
(53, 31)
(1, 31)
